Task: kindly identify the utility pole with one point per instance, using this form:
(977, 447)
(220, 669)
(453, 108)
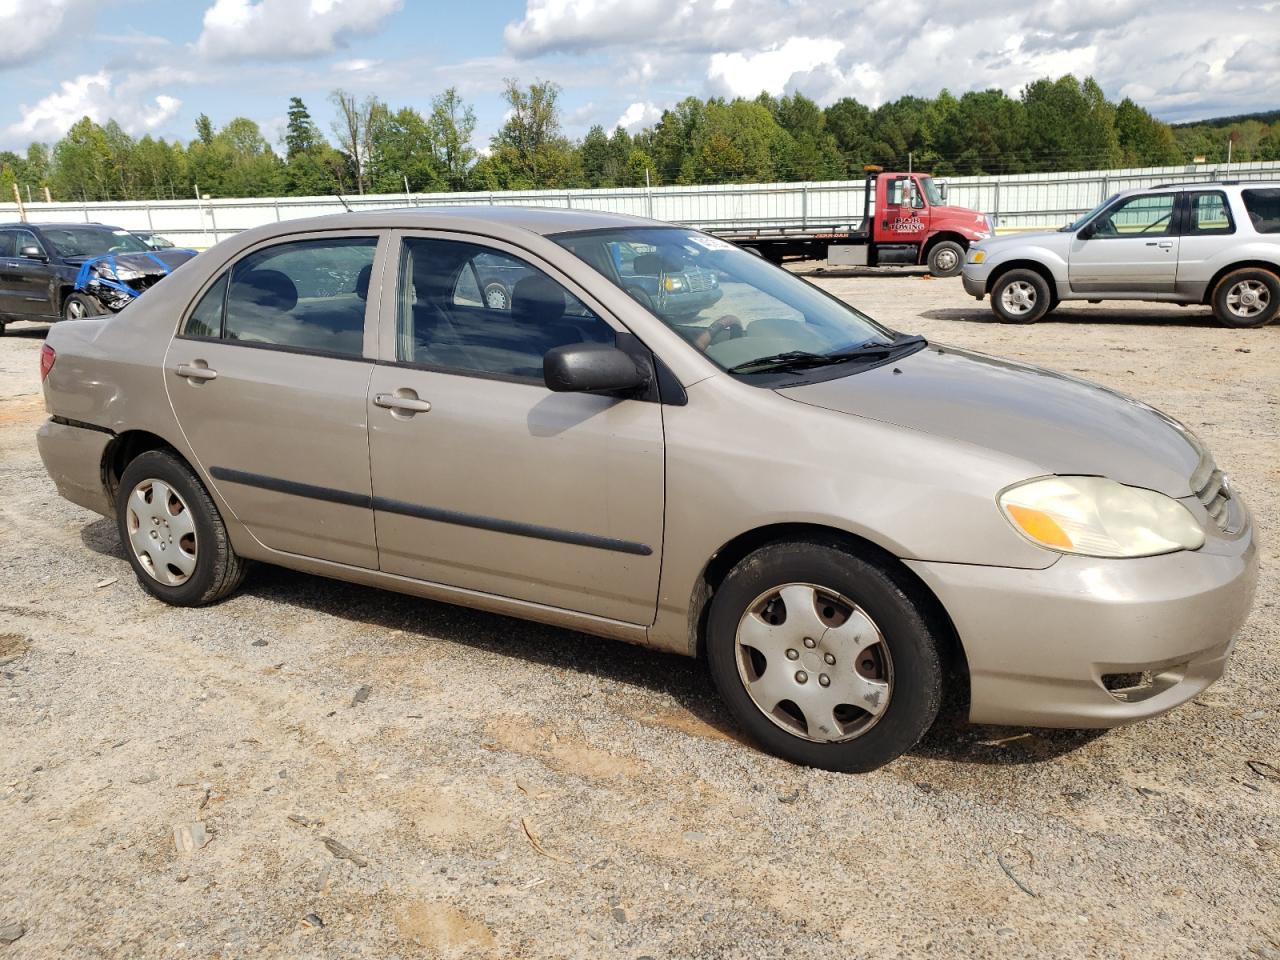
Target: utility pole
(17, 198)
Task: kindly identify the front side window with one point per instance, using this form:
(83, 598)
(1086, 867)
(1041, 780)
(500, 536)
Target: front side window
(206, 319)
(76, 241)
(746, 315)
(1210, 213)
(1142, 216)
(1263, 207)
(25, 238)
(470, 309)
(8, 243)
(306, 295)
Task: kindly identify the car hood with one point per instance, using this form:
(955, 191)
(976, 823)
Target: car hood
(143, 263)
(1053, 239)
(1063, 425)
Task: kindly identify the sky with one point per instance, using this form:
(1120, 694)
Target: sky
(155, 65)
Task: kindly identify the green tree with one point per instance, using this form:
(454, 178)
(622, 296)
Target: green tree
(1144, 141)
(529, 151)
(452, 123)
(400, 149)
(594, 150)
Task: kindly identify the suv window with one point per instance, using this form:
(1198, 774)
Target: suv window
(470, 309)
(8, 243)
(1263, 207)
(1148, 215)
(1210, 213)
(25, 238)
(305, 295)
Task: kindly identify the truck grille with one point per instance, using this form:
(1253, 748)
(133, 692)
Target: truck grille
(1211, 489)
(699, 281)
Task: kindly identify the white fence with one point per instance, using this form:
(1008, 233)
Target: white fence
(1017, 201)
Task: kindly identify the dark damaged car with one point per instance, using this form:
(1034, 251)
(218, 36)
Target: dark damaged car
(67, 271)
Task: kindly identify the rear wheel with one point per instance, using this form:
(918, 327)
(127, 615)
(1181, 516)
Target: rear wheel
(496, 296)
(823, 657)
(946, 259)
(1021, 296)
(78, 306)
(173, 534)
(1247, 298)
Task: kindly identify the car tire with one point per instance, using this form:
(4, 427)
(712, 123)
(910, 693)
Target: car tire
(946, 259)
(876, 645)
(496, 296)
(186, 563)
(1247, 298)
(79, 306)
(2, 326)
(1021, 296)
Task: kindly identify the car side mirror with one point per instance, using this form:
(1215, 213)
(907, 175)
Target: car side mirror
(942, 191)
(591, 368)
(32, 252)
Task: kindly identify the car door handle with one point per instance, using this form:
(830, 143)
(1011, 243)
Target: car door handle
(192, 372)
(1162, 244)
(392, 401)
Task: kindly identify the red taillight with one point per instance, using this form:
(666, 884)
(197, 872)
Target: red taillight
(47, 356)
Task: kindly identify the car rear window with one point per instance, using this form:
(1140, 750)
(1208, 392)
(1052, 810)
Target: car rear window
(1263, 207)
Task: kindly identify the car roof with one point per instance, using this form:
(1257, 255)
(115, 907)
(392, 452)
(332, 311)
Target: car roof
(539, 220)
(50, 224)
(1204, 185)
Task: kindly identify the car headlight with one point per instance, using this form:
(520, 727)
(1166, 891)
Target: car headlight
(977, 256)
(673, 284)
(1097, 517)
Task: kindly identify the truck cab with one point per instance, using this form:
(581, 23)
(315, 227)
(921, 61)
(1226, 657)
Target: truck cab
(907, 221)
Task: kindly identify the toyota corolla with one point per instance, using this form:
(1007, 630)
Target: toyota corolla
(842, 520)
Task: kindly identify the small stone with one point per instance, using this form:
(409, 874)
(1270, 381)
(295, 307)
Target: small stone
(258, 643)
(361, 695)
(189, 837)
(791, 797)
(619, 914)
(1256, 715)
(12, 932)
(694, 836)
(313, 920)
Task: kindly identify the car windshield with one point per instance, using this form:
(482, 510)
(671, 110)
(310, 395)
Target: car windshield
(92, 241)
(931, 191)
(1077, 224)
(745, 314)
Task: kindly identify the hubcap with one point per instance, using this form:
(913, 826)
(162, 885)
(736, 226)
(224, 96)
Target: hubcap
(496, 298)
(1248, 298)
(162, 532)
(1018, 297)
(75, 309)
(814, 663)
(946, 260)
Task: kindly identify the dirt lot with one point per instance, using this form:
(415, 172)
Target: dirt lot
(511, 790)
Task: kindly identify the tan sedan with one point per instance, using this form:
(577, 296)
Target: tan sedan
(841, 519)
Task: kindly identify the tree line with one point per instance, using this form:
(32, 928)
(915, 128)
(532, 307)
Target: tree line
(372, 147)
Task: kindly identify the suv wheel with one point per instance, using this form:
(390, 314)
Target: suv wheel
(823, 658)
(1247, 298)
(78, 306)
(1021, 296)
(496, 296)
(173, 534)
(946, 259)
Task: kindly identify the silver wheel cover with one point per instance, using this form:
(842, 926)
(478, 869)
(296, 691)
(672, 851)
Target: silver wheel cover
(1248, 298)
(1018, 298)
(814, 663)
(946, 259)
(162, 532)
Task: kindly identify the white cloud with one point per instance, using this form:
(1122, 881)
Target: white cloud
(639, 114)
(746, 74)
(31, 29)
(131, 101)
(291, 29)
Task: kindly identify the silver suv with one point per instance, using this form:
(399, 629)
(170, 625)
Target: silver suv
(1210, 243)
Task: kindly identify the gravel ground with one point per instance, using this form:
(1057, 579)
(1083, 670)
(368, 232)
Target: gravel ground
(377, 776)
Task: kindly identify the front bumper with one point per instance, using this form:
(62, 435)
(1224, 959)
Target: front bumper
(974, 284)
(73, 458)
(1043, 645)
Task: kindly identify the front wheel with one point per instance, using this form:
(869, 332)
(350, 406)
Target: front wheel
(823, 657)
(78, 306)
(1247, 298)
(173, 534)
(1021, 296)
(946, 259)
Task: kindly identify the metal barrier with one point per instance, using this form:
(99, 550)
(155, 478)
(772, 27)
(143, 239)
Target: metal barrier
(1019, 201)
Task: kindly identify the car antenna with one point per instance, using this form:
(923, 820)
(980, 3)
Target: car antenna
(342, 200)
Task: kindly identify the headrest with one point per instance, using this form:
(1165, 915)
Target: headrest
(536, 299)
(266, 288)
(362, 281)
(647, 265)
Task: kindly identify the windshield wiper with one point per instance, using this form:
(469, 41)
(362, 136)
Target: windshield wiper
(803, 359)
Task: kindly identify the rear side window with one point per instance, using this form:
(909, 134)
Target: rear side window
(206, 319)
(307, 295)
(8, 243)
(1263, 207)
(1210, 214)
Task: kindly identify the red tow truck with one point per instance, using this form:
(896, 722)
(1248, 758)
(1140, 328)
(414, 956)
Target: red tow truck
(905, 221)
